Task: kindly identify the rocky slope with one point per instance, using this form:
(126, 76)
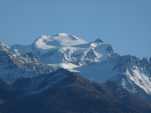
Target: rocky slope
(14, 65)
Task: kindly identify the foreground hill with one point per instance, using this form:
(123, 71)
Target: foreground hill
(67, 92)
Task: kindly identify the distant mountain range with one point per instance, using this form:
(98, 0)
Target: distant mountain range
(64, 73)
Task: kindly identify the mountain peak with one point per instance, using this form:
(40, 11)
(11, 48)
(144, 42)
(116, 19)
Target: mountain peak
(3, 45)
(60, 39)
(63, 34)
(98, 40)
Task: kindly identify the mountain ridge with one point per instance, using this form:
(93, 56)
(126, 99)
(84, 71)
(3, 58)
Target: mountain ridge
(65, 76)
(62, 51)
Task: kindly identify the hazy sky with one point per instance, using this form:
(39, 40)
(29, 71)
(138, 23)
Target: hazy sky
(126, 24)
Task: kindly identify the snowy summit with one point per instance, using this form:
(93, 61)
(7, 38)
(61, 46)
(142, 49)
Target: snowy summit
(61, 39)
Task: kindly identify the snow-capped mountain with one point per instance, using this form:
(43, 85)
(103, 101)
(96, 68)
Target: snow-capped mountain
(61, 39)
(136, 72)
(95, 78)
(14, 65)
(67, 51)
(94, 60)
(130, 72)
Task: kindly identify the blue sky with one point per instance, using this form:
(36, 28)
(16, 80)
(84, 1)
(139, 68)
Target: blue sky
(126, 24)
